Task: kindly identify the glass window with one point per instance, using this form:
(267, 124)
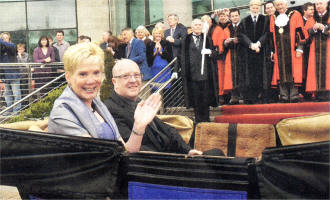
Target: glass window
(136, 12)
(201, 6)
(12, 16)
(51, 14)
(156, 11)
(232, 4)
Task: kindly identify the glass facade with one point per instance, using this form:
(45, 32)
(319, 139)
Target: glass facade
(143, 12)
(27, 20)
(149, 12)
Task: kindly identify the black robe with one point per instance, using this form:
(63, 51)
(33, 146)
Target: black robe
(255, 67)
(212, 72)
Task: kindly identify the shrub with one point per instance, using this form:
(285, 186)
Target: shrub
(107, 86)
(39, 109)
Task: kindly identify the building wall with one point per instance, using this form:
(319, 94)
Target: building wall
(182, 8)
(93, 18)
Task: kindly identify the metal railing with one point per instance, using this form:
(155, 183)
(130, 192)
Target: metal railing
(170, 88)
(37, 80)
(33, 80)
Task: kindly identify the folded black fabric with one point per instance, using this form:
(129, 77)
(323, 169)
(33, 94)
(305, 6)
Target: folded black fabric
(295, 172)
(59, 167)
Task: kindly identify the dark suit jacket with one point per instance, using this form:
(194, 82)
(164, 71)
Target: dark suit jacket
(158, 136)
(179, 33)
(137, 53)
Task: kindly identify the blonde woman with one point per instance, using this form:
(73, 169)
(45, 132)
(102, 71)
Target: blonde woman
(159, 54)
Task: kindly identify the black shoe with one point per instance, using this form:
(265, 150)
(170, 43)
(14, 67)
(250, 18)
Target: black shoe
(221, 100)
(295, 100)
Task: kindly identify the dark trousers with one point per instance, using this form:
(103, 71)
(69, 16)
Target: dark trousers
(288, 92)
(200, 99)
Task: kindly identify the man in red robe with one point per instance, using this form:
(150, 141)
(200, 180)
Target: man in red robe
(287, 28)
(318, 74)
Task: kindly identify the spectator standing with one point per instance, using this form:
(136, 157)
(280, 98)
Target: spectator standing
(287, 28)
(136, 51)
(159, 54)
(105, 37)
(233, 61)
(143, 34)
(318, 74)
(116, 47)
(23, 57)
(11, 74)
(175, 33)
(61, 45)
(42, 54)
(57, 55)
(256, 76)
(218, 41)
(273, 92)
(200, 89)
(308, 9)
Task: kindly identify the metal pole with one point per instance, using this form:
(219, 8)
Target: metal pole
(34, 92)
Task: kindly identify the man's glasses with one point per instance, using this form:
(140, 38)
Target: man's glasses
(128, 76)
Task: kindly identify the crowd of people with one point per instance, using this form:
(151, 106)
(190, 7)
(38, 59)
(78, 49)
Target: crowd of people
(279, 56)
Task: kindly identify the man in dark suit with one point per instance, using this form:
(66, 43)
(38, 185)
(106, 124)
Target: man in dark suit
(136, 51)
(175, 33)
(158, 136)
(200, 89)
(105, 37)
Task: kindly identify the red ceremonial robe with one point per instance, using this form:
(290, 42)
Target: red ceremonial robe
(318, 73)
(217, 39)
(287, 67)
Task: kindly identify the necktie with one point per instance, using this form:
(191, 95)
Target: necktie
(172, 31)
(128, 49)
(254, 20)
(197, 40)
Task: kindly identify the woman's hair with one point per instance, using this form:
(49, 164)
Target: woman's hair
(157, 30)
(5, 33)
(41, 38)
(75, 54)
(115, 40)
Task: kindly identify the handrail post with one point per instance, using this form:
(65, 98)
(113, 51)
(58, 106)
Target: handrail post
(29, 80)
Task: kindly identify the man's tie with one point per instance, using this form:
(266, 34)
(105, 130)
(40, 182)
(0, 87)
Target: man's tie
(254, 20)
(172, 31)
(128, 49)
(197, 40)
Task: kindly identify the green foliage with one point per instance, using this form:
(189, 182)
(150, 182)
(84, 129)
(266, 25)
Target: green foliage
(107, 86)
(39, 109)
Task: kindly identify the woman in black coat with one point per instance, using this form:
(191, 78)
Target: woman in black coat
(159, 54)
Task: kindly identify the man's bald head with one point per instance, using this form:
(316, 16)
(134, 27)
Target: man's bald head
(120, 64)
(127, 79)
